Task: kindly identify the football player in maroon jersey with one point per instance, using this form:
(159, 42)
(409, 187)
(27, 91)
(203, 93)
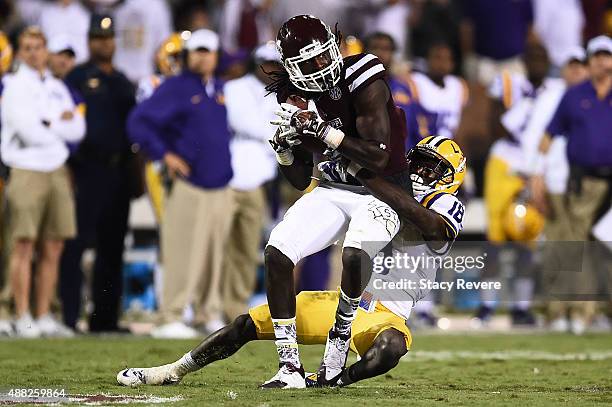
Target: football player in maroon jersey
(348, 110)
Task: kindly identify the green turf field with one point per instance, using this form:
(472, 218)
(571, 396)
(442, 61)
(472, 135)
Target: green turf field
(512, 370)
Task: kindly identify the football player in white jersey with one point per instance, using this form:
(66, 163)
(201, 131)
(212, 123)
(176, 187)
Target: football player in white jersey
(432, 218)
(441, 95)
(513, 99)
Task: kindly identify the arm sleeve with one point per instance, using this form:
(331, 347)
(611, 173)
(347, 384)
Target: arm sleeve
(149, 119)
(559, 125)
(27, 124)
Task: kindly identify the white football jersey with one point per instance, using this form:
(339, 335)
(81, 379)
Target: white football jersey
(141, 26)
(399, 286)
(518, 96)
(510, 88)
(441, 106)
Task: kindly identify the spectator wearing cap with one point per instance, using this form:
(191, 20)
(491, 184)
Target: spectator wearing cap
(249, 112)
(184, 123)
(584, 118)
(62, 60)
(38, 118)
(62, 57)
(104, 182)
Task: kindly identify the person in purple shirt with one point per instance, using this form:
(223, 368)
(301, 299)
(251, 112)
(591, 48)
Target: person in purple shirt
(496, 33)
(584, 117)
(184, 123)
(383, 46)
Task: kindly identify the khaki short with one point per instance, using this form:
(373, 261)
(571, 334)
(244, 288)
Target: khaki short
(40, 204)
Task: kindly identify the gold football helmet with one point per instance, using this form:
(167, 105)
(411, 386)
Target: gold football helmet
(436, 163)
(168, 55)
(522, 222)
(6, 54)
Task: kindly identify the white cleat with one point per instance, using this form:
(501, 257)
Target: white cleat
(288, 377)
(577, 326)
(26, 327)
(175, 330)
(336, 352)
(50, 327)
(154, 376)
(6, 329)
(559, 325)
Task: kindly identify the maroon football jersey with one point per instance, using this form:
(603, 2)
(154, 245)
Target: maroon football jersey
(337, 106)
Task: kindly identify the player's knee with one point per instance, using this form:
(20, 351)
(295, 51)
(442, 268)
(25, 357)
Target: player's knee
(276, 262)
(245, 326)
(391, 346)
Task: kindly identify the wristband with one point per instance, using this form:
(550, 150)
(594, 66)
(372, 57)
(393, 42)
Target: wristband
(353, 169)
(284, 157)
(333, 137)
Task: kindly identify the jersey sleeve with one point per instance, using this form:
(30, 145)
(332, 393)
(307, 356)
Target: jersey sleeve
(450, 208)
(361, 71)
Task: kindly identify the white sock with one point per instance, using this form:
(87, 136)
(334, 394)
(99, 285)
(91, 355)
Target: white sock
(345, 313)
(185, 365)
(285, 331)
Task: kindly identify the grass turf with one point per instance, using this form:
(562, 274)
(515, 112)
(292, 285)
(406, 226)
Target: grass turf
(477, 377)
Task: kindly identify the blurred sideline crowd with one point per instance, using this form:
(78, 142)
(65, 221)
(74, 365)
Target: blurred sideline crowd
(104, 101)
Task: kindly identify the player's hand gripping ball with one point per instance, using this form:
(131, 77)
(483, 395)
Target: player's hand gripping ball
(298, 127)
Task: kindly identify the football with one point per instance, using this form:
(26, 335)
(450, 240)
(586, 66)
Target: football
(298, 101)
(310, 144)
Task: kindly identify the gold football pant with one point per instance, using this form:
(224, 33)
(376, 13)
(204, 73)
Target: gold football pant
(315, 315)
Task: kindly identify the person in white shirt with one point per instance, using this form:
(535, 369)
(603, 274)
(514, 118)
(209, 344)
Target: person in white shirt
(249, 113)
(38, 117)
(549, 16)
(142, 26)
(68, 18)
(513, 96)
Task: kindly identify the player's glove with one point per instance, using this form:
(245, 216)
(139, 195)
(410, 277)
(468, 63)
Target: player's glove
(282, 148)
(286, 135)
(308, 123)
